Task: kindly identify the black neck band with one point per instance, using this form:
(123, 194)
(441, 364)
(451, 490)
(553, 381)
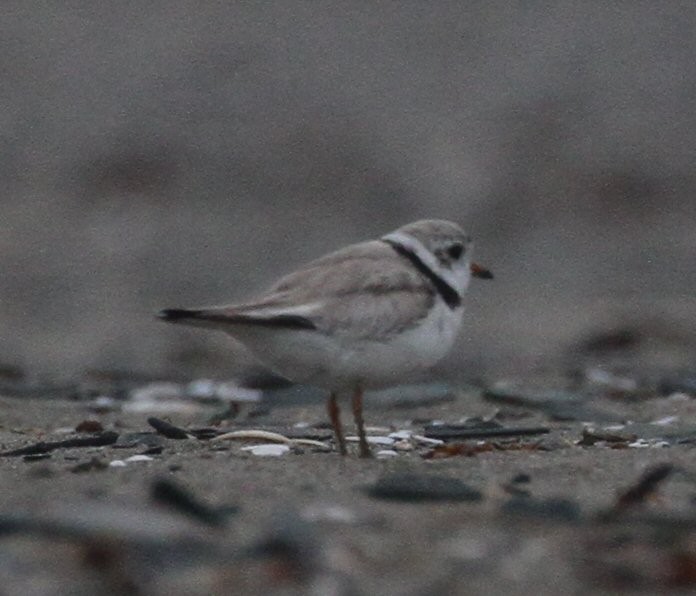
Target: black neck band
(448, 293)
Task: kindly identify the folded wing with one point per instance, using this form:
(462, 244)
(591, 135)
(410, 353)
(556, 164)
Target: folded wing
(365, 290)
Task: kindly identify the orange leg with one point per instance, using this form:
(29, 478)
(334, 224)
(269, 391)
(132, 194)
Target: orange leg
(360, 423)
(335, 417)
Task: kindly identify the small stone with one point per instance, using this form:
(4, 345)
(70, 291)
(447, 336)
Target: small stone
(36, 456)
(386, 454)
(590, 436)
(558, 509)
(415, 487)
(89, 466)
(117, 463)
(678, 383)
(89, 426)
(137, 439)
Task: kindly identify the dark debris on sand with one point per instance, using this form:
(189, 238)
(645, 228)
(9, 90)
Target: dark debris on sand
(588, 482)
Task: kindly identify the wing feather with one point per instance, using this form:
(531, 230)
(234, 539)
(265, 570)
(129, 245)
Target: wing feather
(364, 290)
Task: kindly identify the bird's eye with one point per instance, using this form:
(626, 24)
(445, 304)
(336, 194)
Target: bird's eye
(455, 251)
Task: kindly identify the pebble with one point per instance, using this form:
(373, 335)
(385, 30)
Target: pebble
(519, 395)
(591, 436)
(681, 383)
(386, 454)
(89, 426)
(417, 487)
(117, 463)
(552, 508)
(267, 449)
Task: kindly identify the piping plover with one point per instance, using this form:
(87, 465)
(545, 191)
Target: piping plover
(360, 317)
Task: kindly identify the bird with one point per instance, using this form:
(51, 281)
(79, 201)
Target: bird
(358, 318)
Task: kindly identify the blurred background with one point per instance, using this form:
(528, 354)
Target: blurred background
(175, 153)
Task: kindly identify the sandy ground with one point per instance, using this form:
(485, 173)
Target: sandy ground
(546, 520)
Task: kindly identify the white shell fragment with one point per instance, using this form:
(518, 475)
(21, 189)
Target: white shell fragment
(401, 434)
(374, 440)
(137, 458)
(644, 443)
(309, 443)
(232, 392)
(403, 445)
(157, 391)
(267, 449)
(423, 440)
(104, 403)
(253, 435)
(329, 513)
(160, 406)
(117, 463)
(201, 389)
(377, 429)
(666, 421)
(265, 435)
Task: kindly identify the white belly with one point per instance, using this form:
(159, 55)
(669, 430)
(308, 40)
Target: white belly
(335, 363)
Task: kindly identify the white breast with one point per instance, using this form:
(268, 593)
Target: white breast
(325, 361)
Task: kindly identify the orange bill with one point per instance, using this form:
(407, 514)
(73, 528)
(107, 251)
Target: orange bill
(481, 272)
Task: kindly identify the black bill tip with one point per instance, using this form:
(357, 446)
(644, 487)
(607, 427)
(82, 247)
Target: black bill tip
(176, 314)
